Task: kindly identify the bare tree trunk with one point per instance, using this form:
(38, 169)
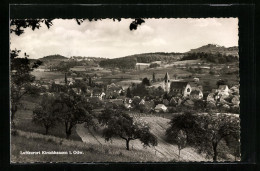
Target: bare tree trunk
(68, 129)
(215, 151)
(68, 133)
(127, 144)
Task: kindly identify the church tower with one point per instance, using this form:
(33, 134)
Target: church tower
(167, 83)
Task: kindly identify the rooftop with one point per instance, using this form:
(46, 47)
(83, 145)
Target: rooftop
(178, 85)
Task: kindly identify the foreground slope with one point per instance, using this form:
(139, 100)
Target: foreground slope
(163, 150)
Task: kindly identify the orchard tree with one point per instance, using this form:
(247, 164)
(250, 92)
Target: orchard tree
(181, 140)
(73, 109)
(218, 127)
(205, 131)
(21, 80)
(120, 124)
(44, 114)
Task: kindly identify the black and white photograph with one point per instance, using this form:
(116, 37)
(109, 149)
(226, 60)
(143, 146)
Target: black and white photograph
(124, 90)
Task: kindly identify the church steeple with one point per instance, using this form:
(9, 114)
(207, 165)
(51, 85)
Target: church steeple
(167, 82)
(167, 77)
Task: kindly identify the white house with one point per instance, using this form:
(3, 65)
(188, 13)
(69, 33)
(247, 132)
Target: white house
(223, 90)
(160, 107)
(142, 66)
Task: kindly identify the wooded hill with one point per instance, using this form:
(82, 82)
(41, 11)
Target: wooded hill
(53, 57)
(217, 58)
(214, 49)
(129, 62)
(209, 53)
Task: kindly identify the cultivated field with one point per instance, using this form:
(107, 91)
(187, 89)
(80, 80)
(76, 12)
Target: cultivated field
(47, 75)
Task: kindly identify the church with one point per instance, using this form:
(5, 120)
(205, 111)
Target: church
(176, 87)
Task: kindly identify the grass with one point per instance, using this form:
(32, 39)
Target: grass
(25, 141)
(23, 120)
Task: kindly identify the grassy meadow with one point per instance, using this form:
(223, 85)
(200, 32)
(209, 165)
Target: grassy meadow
(26, 141)
(23, 120)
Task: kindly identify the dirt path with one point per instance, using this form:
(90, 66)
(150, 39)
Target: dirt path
(163, 149)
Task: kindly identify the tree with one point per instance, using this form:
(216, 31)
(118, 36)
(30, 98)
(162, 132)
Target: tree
(73, 109)
(21, 80)
(146, 82)
(181, 141)
(120, 124)
(17, 25)
(90, 81)
(205, 131)
(80, 86)
(219, 127)
(135, 23)
(140, 90)
(128, 93)
(44, 114)
(154, 79)
(222, 82)
(65, 79)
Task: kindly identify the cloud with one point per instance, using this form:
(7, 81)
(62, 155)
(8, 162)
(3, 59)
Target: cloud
(108, 38)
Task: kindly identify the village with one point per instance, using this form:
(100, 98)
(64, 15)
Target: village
(147, 95)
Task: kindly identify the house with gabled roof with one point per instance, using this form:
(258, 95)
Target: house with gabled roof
(181, 87)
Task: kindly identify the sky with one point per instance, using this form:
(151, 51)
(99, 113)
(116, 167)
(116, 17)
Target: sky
(112, 39)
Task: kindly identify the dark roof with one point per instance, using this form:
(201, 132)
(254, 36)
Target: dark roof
(193, 84)
(178, 85)
(222, 87)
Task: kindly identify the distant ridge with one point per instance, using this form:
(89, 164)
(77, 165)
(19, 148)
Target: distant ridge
(53, 57)
(214, 48)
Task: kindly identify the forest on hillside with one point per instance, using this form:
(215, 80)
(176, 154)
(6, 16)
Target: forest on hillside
(129, 62)
(217, 58)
